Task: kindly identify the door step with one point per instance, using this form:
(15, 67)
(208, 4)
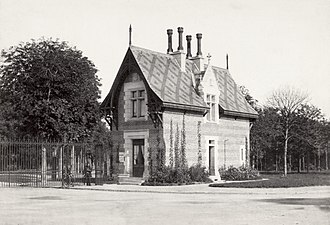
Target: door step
(125, 180)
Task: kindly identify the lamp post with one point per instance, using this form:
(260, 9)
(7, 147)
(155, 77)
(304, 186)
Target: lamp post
(224, 153)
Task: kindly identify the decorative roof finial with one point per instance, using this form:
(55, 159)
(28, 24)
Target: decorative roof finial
(130, 35)
(209, 57)
(227, 61)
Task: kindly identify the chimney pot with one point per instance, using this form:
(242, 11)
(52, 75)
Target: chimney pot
(199, 44)
(188, 38)
(180, 31)
(169, 34)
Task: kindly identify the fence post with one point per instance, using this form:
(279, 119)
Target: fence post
(73, 164)
(43, 166)
(98, 167)
(60, 163)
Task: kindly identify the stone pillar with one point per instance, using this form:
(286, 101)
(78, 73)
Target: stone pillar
(43, 166)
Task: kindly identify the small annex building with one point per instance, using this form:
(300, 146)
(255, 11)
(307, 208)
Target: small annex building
(153, 90)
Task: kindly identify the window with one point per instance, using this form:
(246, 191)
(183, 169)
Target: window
(210, 100)
(138, 103)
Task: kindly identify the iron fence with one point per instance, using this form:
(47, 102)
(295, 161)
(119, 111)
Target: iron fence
(48, 164)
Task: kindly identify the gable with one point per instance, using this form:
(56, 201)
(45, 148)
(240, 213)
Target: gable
(231, 100)
(163, 77)
(163, 74)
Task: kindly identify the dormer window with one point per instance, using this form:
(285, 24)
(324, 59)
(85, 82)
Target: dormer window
(138, 103)
(210, 100)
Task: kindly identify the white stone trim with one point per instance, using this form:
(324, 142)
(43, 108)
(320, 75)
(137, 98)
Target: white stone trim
(128, 88)
(129, 136)
(216, 177)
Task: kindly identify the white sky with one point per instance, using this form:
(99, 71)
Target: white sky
(270, 43)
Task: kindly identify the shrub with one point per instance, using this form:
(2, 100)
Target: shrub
(172, 176)
(199, 173)
(241, 173)
(169, 175)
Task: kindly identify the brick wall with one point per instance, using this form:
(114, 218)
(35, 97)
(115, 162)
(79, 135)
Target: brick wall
(235, 131)
(191, 133)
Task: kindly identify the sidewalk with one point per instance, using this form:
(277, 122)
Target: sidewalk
(205, 189)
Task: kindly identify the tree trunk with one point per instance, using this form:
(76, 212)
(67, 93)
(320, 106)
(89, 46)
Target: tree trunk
(290, 163)
(326, 159)
(319, 159)
(303, 163)
(315, 165)
(265, 164)
(308, 161)
(286, 151)
(276, 166)
(299, 166)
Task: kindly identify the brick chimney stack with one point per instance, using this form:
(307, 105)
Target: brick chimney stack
(188, 38)
(198, 59)
(169, 34)
(180, 31)
(199, 44)
(179, 55)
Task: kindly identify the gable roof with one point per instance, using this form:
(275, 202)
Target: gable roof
(163, 74)
(231, 100)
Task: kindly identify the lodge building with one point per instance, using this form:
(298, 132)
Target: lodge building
(153, 90)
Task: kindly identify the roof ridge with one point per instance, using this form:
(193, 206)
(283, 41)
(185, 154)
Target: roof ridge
(217, 67)
(152, 51)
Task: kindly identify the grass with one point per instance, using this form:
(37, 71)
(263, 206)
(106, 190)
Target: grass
(279, 181)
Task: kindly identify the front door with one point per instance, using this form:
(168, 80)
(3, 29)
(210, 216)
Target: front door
(138, 157)
(211, 158)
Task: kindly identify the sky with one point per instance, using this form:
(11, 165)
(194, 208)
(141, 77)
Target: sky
(271, 44)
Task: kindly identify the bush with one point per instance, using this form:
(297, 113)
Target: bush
(241, 173)
(199, 173)
(172, 176)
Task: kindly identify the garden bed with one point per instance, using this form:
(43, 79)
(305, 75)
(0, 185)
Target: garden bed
(279, 181)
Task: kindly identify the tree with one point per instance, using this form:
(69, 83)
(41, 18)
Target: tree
(248, 97)
(50, 90)
(287, 101)
(264, 137)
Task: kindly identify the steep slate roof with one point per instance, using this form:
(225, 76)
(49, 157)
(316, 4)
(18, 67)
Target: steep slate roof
(163, 74)
(231, 99)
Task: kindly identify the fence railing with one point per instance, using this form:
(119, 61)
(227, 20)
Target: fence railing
(46, 164)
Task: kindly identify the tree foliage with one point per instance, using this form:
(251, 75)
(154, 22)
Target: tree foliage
(50, 90)
(248, 97)
(287, 101)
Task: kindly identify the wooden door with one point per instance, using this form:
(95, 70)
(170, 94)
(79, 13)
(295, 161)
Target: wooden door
(138, 157)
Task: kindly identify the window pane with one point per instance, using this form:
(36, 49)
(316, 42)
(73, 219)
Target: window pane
(141, 94)
(134, 94)
(208, 98)
(213, 111)
(134, 108)
(142, 107)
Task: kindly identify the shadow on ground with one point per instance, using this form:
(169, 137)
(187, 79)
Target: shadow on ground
(321, 203)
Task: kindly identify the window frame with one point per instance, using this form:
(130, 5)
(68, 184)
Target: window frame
(138, 103)
(211, 102)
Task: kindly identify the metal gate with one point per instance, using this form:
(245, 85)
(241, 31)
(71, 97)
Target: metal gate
(46, 164)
